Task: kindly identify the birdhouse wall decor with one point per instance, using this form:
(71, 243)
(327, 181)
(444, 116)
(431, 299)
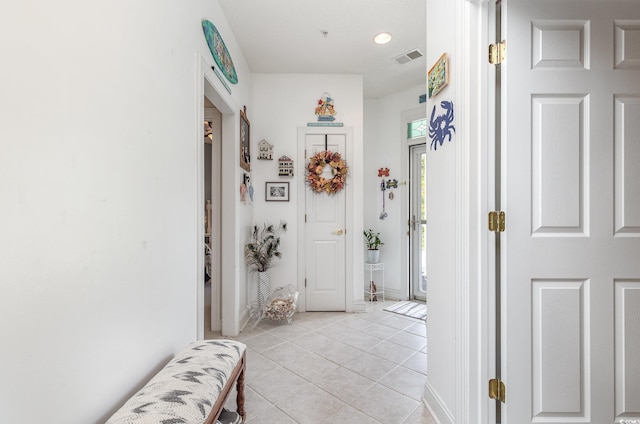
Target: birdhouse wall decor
(265, 150)
(285, 166)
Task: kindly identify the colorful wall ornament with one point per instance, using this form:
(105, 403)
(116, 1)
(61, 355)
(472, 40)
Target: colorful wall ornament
(219, 51)
(325, 112)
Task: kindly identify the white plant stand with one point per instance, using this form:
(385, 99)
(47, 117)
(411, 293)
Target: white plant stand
(370, 293)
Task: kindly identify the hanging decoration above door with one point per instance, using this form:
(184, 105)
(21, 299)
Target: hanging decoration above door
(222, 57)
(325, 111)
(441, 126)
(316, 168)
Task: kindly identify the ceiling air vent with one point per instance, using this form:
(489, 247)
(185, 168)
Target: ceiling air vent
(408, 56)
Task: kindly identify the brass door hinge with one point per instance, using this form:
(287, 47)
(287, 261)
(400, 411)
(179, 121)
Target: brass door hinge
(497, 53)
(496, 221)
(497, 390)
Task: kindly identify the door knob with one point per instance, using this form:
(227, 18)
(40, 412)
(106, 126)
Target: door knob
(340, 232)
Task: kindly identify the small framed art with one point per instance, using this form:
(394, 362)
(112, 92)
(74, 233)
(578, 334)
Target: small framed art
(438, 76)
(276, 191)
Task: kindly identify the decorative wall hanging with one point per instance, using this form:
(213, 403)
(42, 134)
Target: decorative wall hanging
(384, 213)
(243, 187)
(325, 111)
(383, 172)
(219, 51)
(285, 166)
(243, 192)
(315, 169)
(276, 192)
(391, 184)
(246, 187)
(265, 150)
(245, 145)
(438, 76)
(441, 126)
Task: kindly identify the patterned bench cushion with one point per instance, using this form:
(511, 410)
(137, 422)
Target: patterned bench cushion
(186, 388)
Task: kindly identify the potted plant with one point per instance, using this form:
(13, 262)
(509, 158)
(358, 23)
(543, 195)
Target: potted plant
(260, 253)
(373, 243)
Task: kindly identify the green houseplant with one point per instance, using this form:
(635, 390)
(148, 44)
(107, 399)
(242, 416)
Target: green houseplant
(373, 243)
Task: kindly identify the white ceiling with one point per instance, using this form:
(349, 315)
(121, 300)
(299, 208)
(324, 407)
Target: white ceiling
(285, 36)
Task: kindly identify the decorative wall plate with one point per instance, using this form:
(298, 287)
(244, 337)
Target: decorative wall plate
(219, 51)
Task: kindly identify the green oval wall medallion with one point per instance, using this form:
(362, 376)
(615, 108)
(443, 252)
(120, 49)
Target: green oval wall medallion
(219, 51)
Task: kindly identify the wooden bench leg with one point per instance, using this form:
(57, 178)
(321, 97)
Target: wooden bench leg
(240, 394)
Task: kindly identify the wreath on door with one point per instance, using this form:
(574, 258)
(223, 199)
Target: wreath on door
(316, 166)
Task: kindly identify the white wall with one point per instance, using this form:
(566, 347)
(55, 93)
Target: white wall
(386, 147)
(457, 188)
(282, 104)
(98, 134)
(442, 243)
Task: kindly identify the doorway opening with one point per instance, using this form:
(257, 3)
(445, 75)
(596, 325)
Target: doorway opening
(414, 162)
(418, 222)
(225, 299)
(212, 203)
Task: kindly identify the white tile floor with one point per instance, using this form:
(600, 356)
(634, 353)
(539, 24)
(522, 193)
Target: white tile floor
(336, 367)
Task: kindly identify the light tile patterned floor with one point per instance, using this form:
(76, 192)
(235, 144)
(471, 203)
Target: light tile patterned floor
(336, 367)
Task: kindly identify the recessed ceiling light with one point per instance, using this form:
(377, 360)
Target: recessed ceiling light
(382, 38)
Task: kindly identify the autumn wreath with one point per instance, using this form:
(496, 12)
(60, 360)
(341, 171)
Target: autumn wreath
(315, 168)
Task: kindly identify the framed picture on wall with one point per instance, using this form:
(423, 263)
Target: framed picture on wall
(245, 146)
(276, 191)
(438, 76)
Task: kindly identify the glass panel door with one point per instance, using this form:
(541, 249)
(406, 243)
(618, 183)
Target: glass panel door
(418, 222)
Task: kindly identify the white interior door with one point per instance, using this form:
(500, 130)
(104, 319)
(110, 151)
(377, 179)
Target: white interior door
(325, 272)
(571, 168)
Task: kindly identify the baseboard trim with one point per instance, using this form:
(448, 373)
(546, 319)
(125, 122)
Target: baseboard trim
(392, 294)
(358, 306)
(244, 318)
(436, 406)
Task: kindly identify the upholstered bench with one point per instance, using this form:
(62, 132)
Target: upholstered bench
(191, 388)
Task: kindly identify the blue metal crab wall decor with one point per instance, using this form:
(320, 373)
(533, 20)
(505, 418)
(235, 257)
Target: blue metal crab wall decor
(441, 126)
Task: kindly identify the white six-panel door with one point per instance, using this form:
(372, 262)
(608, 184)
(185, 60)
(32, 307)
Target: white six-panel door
(571, 167)
(325, 235)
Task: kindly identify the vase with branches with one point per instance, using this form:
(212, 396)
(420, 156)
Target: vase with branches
(263, 247)
(260, 252)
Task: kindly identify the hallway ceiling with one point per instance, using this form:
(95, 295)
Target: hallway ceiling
(286, 36)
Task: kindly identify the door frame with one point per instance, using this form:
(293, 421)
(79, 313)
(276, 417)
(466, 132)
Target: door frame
(405, 259)
(207, 84)
(489, 126)
(349, 216)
